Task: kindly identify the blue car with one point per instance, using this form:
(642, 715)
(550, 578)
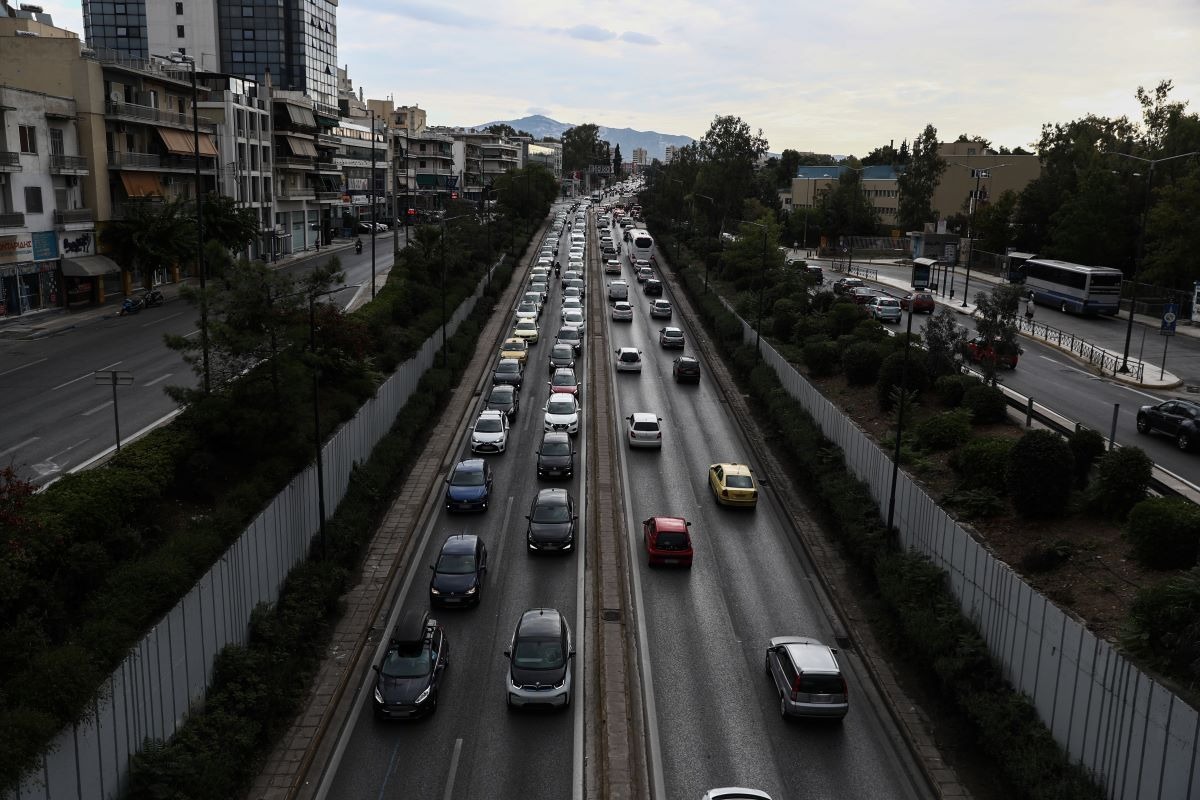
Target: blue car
(469, 486)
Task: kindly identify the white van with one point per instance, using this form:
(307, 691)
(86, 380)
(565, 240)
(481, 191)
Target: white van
(618, 290)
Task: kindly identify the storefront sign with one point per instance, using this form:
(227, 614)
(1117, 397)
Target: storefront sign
(78, 244)
(45, 246)
(15, 248)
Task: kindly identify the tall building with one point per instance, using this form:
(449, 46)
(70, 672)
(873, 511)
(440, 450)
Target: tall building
(640, 157)
(670, 153)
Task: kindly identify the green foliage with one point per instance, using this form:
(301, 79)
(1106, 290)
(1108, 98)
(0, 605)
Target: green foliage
(918, 182)
(944, 339)
(1164, 532)
(843, 318)
(1122, 478)
(1047, 556)
(981, 463)
(987, 404)
(951, 388)
(1086, 446)
(944, 431)
(1164, 626)
(976, 503)
(821, 358)
(892, 374)
(1040, 474)
(861, 363)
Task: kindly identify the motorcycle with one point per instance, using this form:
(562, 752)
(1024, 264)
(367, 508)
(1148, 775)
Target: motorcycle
(358, 246)
(131, 305)
(153, 297)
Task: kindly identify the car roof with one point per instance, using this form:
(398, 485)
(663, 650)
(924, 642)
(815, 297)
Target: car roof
(733, 468)
(670, 523)
(672, 329)
(555, 497)
(565, 370)
(688, 359)
(555, 436)
(507, 361)
(540, 623)
(810, 655)
(491, 412)
(661, 302)
(644, 416)
(460, 543)
(470, 465)
(410, 630)
(503, 388)
(517, 341)
(627, 350)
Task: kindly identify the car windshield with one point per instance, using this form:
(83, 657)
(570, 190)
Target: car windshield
(408, 663)
(556, 449)
(563, 379)
(467, 477)
(505, 367)
(527, 306)
(573, 316)
(739, 481)
(456, 564)
(538, 654)
(560, 407)
(489, 425)
(561, 351)
(628, 356)
(673, 334)
(569, 333)
(645, 426)
(502, 394)
(551, 513)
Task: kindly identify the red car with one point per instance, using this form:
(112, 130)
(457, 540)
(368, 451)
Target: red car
(667, 541)
(862, 295)
(921, 302)
(1000, 354)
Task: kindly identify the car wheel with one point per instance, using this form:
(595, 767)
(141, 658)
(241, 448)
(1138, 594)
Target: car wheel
(1183, 440)
(1143, 424)
(782, 706)
(767, 665)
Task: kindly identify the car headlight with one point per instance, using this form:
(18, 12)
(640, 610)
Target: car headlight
(473, 590)
(378, 696)
(423, 696)
(433, 591)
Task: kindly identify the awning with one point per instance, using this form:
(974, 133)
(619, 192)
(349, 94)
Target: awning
(184, 144)
(301, 147)
(426, 181)
(141, 184)
(301, 116)
(88, 266)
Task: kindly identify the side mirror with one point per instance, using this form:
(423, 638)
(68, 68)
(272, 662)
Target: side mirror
(508, 654)
(375, 667)
(433, 566)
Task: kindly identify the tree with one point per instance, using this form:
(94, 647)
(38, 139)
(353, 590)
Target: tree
(944, 339)
(845, 208)
(918, 182)
(728, 153)
(232, 226)
(617, 162)
(996, 323)
(786, 167)
(501, 129)
(1092, 225)
(882, 156)
(579, 147)
(151, 235)
(993, 222)
(1172, 235)
(962, 137)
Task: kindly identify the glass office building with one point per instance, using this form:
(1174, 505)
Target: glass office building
(116, 26)
(296, 40)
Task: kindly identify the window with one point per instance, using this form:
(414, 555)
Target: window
(28, 138)
(247, 11)
(179, 8)
(56, 141)
(183, 51)
(179, 31)
(247, 34)
(122, 31)
(33, 200)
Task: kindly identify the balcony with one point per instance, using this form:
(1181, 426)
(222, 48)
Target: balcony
(153, 116)
(74, 216)
(329, 197)
(68, 165)
(291, 162)
(13, 219)
(296, 193)
(326, 166)
(10, 161)
(156, 162)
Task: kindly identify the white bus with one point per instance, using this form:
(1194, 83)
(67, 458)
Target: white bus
(641, 245)
(1073, 287)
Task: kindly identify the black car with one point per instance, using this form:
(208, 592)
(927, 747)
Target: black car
(407, 682)
(561, 355)
(847, 285)
(508, 370)
(551, 521)
(1176, 418)
(540, 659)
(652, 287)
(686, 369)
(556, 456)
(504, 397)
(459, 571)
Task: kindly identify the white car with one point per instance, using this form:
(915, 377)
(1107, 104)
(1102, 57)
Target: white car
(660, 309)
(527, 310)
(534, 297)
(573, 318)
(572, 304)
(562, 413)
(644, 430)
(629, 359)
(573, 292)
(735, 793)
(575, 264)
(541, 287)
(622, 311)
(572, 275)
(489, 434)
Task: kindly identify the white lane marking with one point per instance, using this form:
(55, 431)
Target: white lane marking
(18, 446)
(190, 335)
(100, 407)
(160, 320)
(159, 379)
(160, 421)
(23, 366)
(453, 770)
(84, 377)
(1058, 363)
(1136, 391)
(387, 776)
(69, 448)
(579, 676)
(1110, 382)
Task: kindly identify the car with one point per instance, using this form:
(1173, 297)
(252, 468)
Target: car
(670, 337)
(644, 273)
(1179, 419)
(535, 298)
(618, 290)
(861, 295)
(814, 274)
(807, 678)
(517, 348)
(556, 456)
(561, 355)
(571, 304)
(552, 521)
(527, 310)
(408, 678)
(562, 413)
(845, 285)
(733, 485)
(652, 287)
(644, 430)
(884, 309)
(576, 284)
(735, 793)
(996, 352)
(459, 571)
(686, 369)
(540, 287)
(575, 264)
(508, 370)
(469, 486)
(920, 302)
(540, 661)
(629, 359)
(667, 541)
(572, 275)
(622, 311)
(640, 264)
(563, 381)
(574, 319)
(489, 434)
(526, 329)
(660, 309)
(571, 335)
(504, 397)
(612, 266)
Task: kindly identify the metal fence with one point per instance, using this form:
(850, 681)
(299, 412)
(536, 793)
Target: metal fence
(1107, 361)
(1136, 737)
(150, 693)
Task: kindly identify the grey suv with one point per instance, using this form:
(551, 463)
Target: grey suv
(807, 678)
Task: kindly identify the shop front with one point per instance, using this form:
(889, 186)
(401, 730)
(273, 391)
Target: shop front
(29, 274)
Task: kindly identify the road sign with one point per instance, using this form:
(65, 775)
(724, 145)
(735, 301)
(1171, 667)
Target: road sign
(114, 378)
(1169, 317)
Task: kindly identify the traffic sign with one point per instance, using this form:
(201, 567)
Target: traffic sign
(1169, 317)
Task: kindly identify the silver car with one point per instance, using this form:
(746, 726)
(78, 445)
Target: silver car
(807, 678)
(884, 309)
(540, 661)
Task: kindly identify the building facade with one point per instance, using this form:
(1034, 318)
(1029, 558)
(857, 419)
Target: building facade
(879, 184)
(996, 174)
(640, 156)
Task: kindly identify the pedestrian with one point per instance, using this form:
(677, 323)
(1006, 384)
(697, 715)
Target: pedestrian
(1029, 308)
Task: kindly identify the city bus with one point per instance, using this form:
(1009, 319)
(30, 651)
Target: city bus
(1071, 287)
(641, 245)
(1013, 261)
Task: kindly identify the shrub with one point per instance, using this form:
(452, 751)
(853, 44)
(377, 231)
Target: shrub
(1122, 478)
(981, 463)
(986, 404)
(821, 358)
(1046, 556)
(870, 330)
(861, 363)
(1164, 532)
(1164, 626)
(944, 431)
(950, 388)
(844, 318)
(1040, 474)
(823, 300)
(891, 374)
(1086, 446)
(976, 503)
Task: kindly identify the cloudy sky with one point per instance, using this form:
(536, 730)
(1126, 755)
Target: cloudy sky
(834, 77)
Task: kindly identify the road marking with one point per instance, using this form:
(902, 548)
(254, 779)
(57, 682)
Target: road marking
(23, 366)
(100, 407)
(190, 335)
(161, 320)
(453, 770)
(159, 379)
(1137, 391)
(1058, 363)
(80, 443)
(388, 775)
(84, 377)
(1109, 381)
(18, 446)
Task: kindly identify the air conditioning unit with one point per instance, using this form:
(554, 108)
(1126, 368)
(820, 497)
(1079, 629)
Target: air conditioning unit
(72, 180)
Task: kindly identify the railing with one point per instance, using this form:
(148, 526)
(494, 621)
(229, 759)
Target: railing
(1106, 360)
(153, 115)
(73, 216)
(288, 162)
(14, 219)
(64, 163)
(10, 158)
(850, 268)
(327, 196)
(296, 193)
(123, 160)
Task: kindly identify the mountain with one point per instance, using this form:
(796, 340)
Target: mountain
(654, 142)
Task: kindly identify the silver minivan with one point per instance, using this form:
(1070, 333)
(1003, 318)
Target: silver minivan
(807, 678)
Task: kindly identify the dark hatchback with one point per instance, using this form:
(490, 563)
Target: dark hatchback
(652, 287)
(686, 369)
(508, 370)
(1179, 419)
(551, 521)
(459, 571)
(407, 682)
(469, 486)
(556, 456)
(540, 661)
(504, 397)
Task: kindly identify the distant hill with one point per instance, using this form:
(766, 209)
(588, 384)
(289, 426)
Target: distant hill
(654, 142)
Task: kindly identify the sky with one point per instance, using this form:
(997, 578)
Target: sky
(832, 77)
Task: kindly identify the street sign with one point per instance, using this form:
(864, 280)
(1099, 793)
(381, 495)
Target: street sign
(1169, 317)
(114, 378)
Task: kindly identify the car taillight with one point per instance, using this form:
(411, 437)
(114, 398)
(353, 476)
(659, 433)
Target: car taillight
(845, 686)
(724, 493)
(796, 686)
(658, 435)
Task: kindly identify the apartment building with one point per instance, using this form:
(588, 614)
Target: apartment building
(879, 183)
(970, 165)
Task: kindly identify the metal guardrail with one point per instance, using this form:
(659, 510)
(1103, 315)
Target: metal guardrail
(1106, 360)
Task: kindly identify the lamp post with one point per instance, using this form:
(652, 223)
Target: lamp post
(374, 206)
(445, 354)
(979, 175)
(1141, 244)
(720, 241)
(899, 423)
(762, 285)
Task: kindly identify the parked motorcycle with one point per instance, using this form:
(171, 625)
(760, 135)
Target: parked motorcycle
(153, 297)
(131, 305)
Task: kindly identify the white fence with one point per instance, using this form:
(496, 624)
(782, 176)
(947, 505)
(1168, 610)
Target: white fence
(150, 693)
(1135, 736)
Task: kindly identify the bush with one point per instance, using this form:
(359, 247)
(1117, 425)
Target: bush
(1122, 477)
(861, 363)
(1040, 474)
(1164, 626)
(944, 431)
(844, 318)
(870, 330)
(821, 358)
(981, 463)
(1164, 532)
(950, 388)
(1086, 446)
(976, 503)
(986, 404)
(891, 374)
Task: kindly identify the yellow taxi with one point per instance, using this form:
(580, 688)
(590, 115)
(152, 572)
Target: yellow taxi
(515, 348)
(526, 329)
(733, 485)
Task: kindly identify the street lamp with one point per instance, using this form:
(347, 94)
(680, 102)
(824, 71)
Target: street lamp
(720, 241)
(445, 353)
(979, 174)
(900, 422)
(762, 285)
(1141, 241)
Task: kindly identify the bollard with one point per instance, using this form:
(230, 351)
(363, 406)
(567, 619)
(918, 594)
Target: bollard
(1113, 432)
(1029, 413)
